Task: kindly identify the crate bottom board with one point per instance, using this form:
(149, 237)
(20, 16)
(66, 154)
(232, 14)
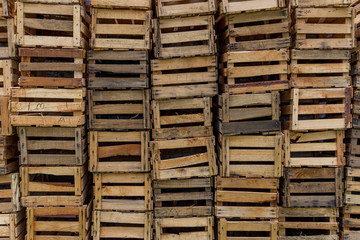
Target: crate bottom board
(246, 212)
(47, 121)
(249, 127)
(255, 87)
(182, 132)
(187, 91)
(201, 211)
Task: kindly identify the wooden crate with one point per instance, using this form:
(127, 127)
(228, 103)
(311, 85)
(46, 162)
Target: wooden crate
(182, 118)
(119, 109)
(237, 114)
(54, 186)
(184, 37)
(118, 69)
(8, 154)
(165, 8)
(52, 25)
(316, 109)
(184, 77)
(7, 39)
(353, 147)
(322, 3)
(59, 222)
(9, 75)
(254, 71)
(52, 68)
(6, 129)
(199, 228)
(183, 158)
(313, 187)
(246, 198)
(123, 192)
(252, 230)
(320, 68)
(122, 226)
(314, 149)
(54, 146)
(13, 225)
(138, 4)
(7, 8)
(255, 31)
(250, 155)
(237, 6)
(120, 29)
(308, 223)
(323, 28)
(183, 198)
(352, 189)
(119, 151)
(350, 223)
(47, 107)
(10, 193)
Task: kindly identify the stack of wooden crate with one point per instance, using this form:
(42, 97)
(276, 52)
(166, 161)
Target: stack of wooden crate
(255, 42)
(48, 109)
(184, 80)
(119, 118)
(316, 111)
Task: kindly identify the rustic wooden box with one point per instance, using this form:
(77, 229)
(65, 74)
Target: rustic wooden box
(230, 7)
(123, 192)
(120, 29)
(53, 146)
(246, 198)
(250, 155)
(119, 151)
(52, 68)
(119, 109)
(184, 77)
(184, 8)
(9, 161)
(43, 107)
(7, 38)
(184, 37)
(52, 25)
(13, 225)
(133, 4)
(10, 193)
(183, 198)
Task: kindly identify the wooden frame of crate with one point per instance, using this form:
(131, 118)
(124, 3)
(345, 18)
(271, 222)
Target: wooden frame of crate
(123, 192)
(350, 222)
(47, 107)
(308, 223)
(119, 109)
(52, 68)
(184, 77)
(353, 147)
(13, 225)
(7, 38)
(183, 158)
(119, 151)
(230, 7)
(352, 189)
(120, 29)
(63, 25)
(355, 68)
(237, 114)
(54, 186)
(184, 37)
(356, 109)
(6, 129)
(138, 4)
(10, 193)
(314, 149)
(313, 187)
(185, 228)
(230, 228)
(121, 225)
(246, 198)
(323, 28)
(182, 118)
(255, 31)
(7, 8)
(183, 198)
(9, 75)
(320, 68)
(326, 3)
(302, 109)
(184, 8)
(254, 71)
(56, 222)
(250, 155)
(118, 69)
(8, 154)
(53, 146)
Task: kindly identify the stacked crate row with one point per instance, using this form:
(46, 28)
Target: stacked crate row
(12, 215)
(184, 80)
(119, 118)
(315, 113)
(48, 109)
(255, 42)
